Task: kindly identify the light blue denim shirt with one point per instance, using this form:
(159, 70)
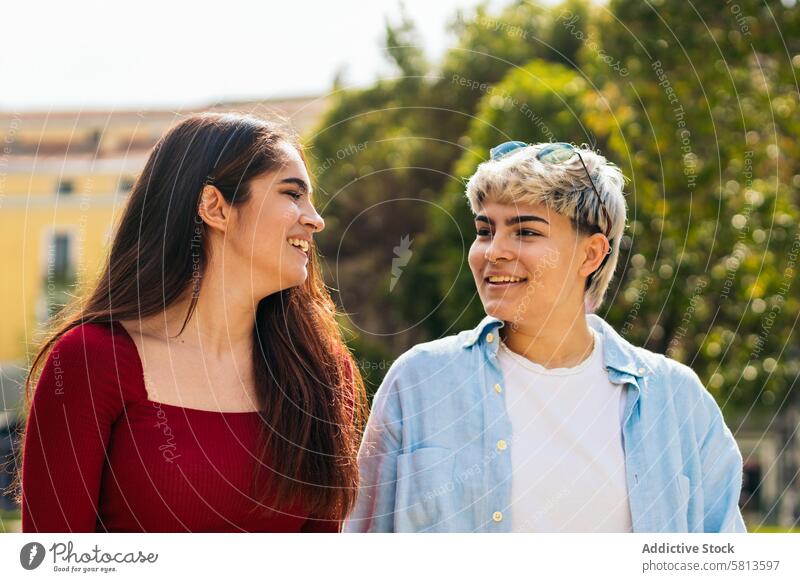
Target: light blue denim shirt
(430, 460)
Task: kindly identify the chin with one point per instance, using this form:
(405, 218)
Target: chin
(297, 277)
(286, 280)
(292, 282)
(503, 310)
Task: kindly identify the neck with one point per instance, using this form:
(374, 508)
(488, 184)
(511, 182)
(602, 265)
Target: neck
(563, 342)
(222, 321)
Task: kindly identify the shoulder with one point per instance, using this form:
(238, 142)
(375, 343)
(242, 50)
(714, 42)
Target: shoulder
(675, 385)
(667, 375)
(85, 335)
(665, 382)
(672, 376)
(671, 391)
(432, 356)
(418, 373)
(94, 341)
(97, 355)
(663, 375)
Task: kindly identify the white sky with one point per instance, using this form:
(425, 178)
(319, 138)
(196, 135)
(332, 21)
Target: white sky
(67, 54)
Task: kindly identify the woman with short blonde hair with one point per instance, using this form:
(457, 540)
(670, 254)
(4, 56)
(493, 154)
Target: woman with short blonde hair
(543, 418)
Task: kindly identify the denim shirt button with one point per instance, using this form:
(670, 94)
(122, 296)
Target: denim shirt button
(497, 516)
(490, 337)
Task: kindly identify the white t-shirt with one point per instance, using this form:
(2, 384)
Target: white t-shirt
(566, 448)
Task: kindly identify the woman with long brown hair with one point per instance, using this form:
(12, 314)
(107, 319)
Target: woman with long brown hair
(203, 384)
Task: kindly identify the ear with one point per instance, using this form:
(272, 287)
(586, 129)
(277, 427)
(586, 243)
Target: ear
(596, 247)
(213, 208)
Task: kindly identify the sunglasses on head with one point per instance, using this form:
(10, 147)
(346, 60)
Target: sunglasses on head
(554, 153)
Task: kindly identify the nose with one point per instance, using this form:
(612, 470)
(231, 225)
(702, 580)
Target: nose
(498, 250)
(313, 219)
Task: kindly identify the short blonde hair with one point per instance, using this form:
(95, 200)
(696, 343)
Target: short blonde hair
(520, 178)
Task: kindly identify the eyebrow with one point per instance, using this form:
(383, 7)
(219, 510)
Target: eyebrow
(300, 183)
(513, 220)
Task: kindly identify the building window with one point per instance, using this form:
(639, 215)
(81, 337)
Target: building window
(61, 257)
(66, 187)
(94, 139)
(126, 184)
(59, 277)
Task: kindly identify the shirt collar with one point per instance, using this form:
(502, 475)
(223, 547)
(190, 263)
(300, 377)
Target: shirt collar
(618, 353)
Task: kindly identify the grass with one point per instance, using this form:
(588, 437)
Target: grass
(771, 529)
(9, 521)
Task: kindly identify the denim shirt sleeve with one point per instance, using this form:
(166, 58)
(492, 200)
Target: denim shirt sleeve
(720, 465)
(377, 461)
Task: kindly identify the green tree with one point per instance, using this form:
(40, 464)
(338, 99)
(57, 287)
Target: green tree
(382, 157)
(696, 103)
(703, 125)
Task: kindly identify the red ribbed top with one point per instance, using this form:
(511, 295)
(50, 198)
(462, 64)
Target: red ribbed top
(100, 456)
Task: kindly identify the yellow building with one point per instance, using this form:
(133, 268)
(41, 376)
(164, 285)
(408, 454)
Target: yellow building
(64, 178)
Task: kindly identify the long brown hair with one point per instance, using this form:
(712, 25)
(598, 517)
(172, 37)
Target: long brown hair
(311, 395)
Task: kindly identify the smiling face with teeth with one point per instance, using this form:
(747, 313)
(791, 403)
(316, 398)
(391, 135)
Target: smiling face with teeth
(272, 234)
(530, 262)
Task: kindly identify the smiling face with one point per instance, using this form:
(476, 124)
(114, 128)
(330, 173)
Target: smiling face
(273, 230)
(529, 262)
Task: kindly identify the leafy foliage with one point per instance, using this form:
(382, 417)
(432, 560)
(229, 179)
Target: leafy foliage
(696, 102)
